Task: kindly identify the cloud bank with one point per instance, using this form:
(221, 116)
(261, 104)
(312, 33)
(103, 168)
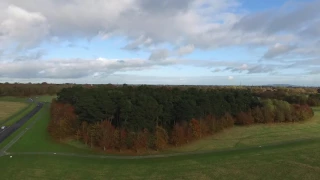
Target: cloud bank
(167, 30)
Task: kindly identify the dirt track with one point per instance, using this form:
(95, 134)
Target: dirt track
(217, 152)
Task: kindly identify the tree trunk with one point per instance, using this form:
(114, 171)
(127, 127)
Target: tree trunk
(91, 142)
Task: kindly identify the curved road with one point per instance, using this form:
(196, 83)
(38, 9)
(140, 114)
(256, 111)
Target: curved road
(11, 129)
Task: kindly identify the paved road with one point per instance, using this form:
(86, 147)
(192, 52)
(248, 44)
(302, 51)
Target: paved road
(11, 129)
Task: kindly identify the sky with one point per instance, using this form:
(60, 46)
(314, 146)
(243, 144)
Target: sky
(174, 42)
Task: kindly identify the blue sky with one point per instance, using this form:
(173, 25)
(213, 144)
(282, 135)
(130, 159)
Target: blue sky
(205, 42)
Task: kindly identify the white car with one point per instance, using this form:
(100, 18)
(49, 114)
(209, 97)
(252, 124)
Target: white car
(3, 127)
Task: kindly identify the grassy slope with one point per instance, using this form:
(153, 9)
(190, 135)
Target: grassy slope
(24, 110)
(293, 161)
(10, 109)
(38, 140)
(19, 115)
(13, 99)
(23, 99)
(46, 98)
(20, 99)
(8, 139)
(256, 135)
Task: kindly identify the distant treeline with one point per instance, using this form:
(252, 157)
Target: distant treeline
(293, 98)
(145, 117)
(26, 90)
(31, 89)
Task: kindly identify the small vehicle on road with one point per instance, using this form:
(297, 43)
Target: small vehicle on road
(3, 127)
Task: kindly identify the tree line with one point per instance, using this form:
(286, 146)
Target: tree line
(143, 117)
(312, 99)
(27, 90)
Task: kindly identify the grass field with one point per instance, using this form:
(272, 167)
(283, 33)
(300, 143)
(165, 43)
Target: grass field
(38, 140)
(13, 99)
(43, 98)
(16, 117)
(47, 98)
(289, 151)
(256, 135)
(293, 161)
(14, 108)
(8, 109)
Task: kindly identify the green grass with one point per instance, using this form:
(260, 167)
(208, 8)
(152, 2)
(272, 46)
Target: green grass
(13, 112)
(296, 156)
(256, 135)
(291, 161)
(13, 99)
(37, 138)
(47, 98)
(8, 139)
(44, 98)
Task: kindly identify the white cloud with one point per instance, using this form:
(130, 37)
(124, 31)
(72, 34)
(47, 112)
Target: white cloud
(277, 50)
(102, 67)
(185, 50)
(159, 54)
(153, 27)
(139, 43)
(73, 68)
(243, 67)
(185, 23)
(181, 21)
(230, 77)
(291, 17)
(21, 27)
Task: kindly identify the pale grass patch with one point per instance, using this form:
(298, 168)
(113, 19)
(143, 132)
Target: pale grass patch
(8, 109)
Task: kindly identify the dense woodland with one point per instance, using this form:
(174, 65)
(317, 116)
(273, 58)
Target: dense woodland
(144, 118)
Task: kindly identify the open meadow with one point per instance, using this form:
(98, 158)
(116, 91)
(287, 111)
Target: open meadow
(288, 151)
(292, 161)
(257, 135)
(14, 108)
(8, 109)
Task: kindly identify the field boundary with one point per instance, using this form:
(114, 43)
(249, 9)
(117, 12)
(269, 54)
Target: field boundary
(220, 151)
(16, 138)
(10, 130)
(16, 114)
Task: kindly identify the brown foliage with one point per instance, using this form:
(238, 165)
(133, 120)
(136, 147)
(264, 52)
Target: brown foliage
(257, 115)
(195, 128)
(178, 135)
(141, 140)
(123, 138)
(301, 112)
(161, 138)
(106, 135)
(63, 122)
(84, 132)
(244, 118)
(227, 120)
